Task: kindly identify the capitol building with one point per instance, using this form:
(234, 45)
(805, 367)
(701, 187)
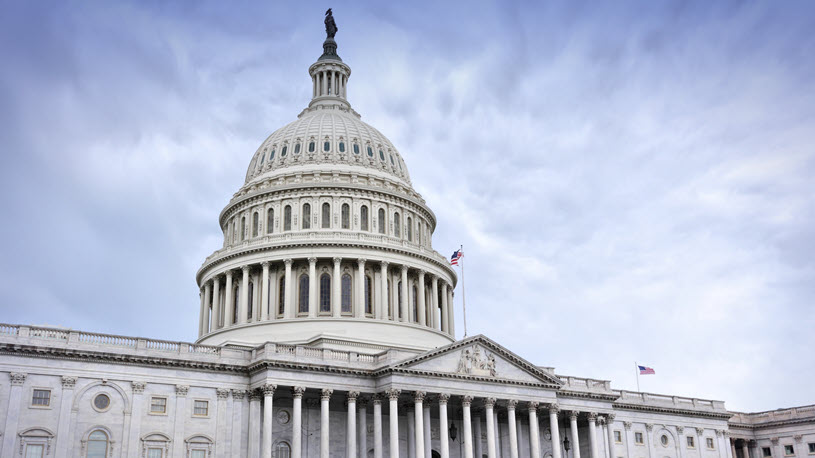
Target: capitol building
(326, 329)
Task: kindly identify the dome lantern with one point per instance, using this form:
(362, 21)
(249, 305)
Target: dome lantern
(329, 75)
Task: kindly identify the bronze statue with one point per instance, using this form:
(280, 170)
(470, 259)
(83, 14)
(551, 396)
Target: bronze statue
(330, 25)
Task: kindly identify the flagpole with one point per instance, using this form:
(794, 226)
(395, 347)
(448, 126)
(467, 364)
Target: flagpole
(463, 300)
(637, 371)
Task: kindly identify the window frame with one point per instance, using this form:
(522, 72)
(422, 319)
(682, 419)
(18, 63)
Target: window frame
(325, 215)
(303, 294)
(345, 216)
(639, 438)
(764, 451)
(287, 218)
(368, 295)
(34, 391)
(93, 402)
(153, 412)
(281, 296)
(710, 443)
(690, 442)
(363, 218)
(383, 223)
(349, 289)
(270, 220)
(194, 406)
(325, 293)
(618, 436)
(811, 448)
(305, 217)
(791, 448)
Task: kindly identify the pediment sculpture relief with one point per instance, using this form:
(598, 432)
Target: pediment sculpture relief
(474, 361)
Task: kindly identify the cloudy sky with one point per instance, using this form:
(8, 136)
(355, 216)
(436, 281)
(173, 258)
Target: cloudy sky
(630, 181)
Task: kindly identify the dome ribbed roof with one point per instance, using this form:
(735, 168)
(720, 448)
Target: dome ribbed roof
(327, 136)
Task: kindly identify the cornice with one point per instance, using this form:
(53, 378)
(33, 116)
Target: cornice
(588, 395)
(672, 411)
(466, 377)
(767, 424)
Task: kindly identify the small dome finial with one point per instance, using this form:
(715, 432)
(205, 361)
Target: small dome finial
(329, 45)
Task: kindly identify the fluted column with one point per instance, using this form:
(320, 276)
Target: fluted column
(410, 421)
(377, 426)
(404, 306)
(610, 427)
(422, 309)
(745, 450)
(324, 76)
(534, 431)
(478, 445)
(325, 452)
(266, 438)
(216, 303)
(593, 434)
(383, 290)
(467, 426)
(264, 293)
(553, 411)
(445, 314)
(360, 311)
(273, 292)
(444, 444)
(575, 437)
(287, 300)
(228, 296)
(434, 304)
(336, 289)
(393, 416)
(204, 306)
(513, 432)
(312, 287)
(428, 450)
(244, 303)
(297, 421)
(489, 403)
(254, 426)
(418, 413)
(451, 316)
(362, 431)
(351, 425)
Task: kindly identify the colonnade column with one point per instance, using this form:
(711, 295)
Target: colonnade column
(428, 450)
(477, 445)
(362, 431)
(489, 403)
(264, 292)
(593, 434)
(575, 438)
(325, 396)
(336, 289)
(451, 319)
(360, 311)
(312, 287)
(273, 299)
(393, 416)
(230, 306)
(444, 445)
(467, 426)
(203, 310)
(216, 303)
(745, 450)
(287, 291)
(445, 315)
(513, 432)
(297, 421)
(383, 287)
(266, 438)
(377, 426)
(324, 83)
(418, 413)
(609, 425)
(434, 304)
(422, 309)
(553, 411)
(403, 307)
(244, 303)
(534, 433)
(207, 302)
(351, 425)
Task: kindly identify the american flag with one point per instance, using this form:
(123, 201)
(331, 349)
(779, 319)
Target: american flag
(645, 370)
(456, 256)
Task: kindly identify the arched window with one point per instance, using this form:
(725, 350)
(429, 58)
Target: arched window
(410, 229)
(297, 149)
(342, 147)
(306, 216)
(283, 151)
(281, 296)
(251, 300)
(346, 293)
(326, 145)
(243, 228)
(370, 152)
(255, 223)
(356, 148)
(303, 305)
(287, 218)
(396, 230)
(282, 450)
(382, 222)
(326, 215)
(390, 300)
(346, 216)
(369, 303)
(311, 147)
(270, 220)
(419, 229)
(399, 298)
(363, 218)
(271, 155)
(235, 298)
(325, 293)
(415, 303)
(97, 444)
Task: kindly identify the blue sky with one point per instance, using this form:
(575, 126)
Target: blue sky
(630, 180)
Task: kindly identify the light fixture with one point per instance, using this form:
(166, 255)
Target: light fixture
(453, 431)
(566, 444)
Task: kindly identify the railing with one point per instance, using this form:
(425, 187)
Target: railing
(48, 333)
(204, 349)
(774, 415)
(107, 339)
(9, 329)
(162, 345)
(673, 401)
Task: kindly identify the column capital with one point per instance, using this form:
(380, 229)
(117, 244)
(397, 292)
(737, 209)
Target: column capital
(680, 429)
(511, 404)
(222, 393)
(610, 418)
(393, 394)
(312, 260)
(532, 406)
(627, 425)
(774, 440)
(421, 274)
(68, 382)
(699, 431)
(554, 409)
(255, 395)
(726, 433)
(352, 396)
(797, 438)
(443, 398)
(182, 390)
(361, 261)
(418, 396)
(238, 394)
(719, 432)
(362, 402)
(288, 261)
(466, 400)
(376, 399)
(404, 268)
(326, 393)
(245, 269)
(489, 402)
(298, 391)
(268, 389)
(650, 427)
(337, 259)
(601, 421)
(592, 416)
(265, 263)
(138, 387)
(573, 415)
(17, 378)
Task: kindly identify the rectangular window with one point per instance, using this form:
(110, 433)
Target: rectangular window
(638, 438)
(789, 450)
(709, 442)
(766, 451)
(618, 437)
(201, 408)
(41, 398)
(811, 448)
(158, 405)
(33, 451)
(153, 453)
(691, 442)
(198, 454)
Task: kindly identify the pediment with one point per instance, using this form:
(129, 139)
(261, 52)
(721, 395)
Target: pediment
(480, 358)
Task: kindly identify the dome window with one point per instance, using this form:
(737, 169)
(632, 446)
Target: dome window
(356, 148)
(342, 148)
(370, 152)
(271, 156)
(297, 149)
(381, 155)
(311, 147)
(326, 145)
(392, 163)
(283, 151)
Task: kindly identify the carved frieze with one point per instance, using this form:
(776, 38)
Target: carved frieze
(475, 361)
